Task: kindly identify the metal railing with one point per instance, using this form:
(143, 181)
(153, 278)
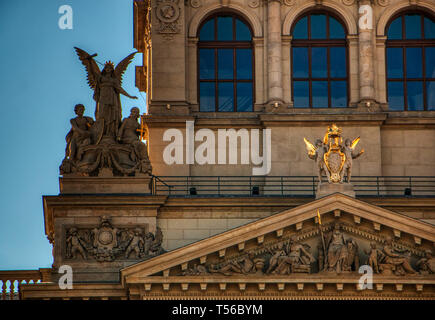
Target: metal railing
(288, 186)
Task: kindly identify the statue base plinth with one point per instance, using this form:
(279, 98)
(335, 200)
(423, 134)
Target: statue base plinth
(71, 184)
(325, 189)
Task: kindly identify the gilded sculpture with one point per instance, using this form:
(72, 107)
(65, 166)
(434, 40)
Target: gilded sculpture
(332, 157)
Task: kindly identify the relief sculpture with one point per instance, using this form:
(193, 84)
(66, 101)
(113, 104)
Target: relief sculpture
(109, 243)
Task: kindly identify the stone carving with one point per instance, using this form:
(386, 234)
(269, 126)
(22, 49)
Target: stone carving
(196, 270)
(331, 156)
(383, 3)
(289, 2)
(394, 261)
(348, 2)
(108, 243)
(105, 147)
(254, 3)
(245, 265)
(297, 260)
(426, 265)
(195, 3)
(341, 255)
(375, 255)
(168, 12)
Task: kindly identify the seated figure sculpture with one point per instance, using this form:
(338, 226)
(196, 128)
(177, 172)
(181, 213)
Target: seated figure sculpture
(79, 135)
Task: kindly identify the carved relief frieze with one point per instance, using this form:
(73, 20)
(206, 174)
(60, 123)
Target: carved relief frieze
(109, 243)
(334, 248)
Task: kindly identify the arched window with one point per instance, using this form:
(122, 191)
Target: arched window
(225, 65)
(410, 62)
(319, 62)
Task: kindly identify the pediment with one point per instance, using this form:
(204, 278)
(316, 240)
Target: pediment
(359, 220)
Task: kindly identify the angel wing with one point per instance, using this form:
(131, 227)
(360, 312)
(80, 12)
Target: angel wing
(122, 66)
(310, 147)
(354, 143)
(91, 66)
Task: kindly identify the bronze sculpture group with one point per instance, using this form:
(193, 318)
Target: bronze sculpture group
(106, 142)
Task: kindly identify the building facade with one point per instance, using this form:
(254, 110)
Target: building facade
(232, 209)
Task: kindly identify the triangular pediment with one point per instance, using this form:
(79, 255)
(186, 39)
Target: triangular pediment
(358, 218)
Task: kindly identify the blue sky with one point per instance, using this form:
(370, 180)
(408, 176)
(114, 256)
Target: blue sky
(41, 80)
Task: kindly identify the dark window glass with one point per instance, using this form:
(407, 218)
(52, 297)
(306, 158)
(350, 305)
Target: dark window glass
(412, 26)
(226, 96)
(301, 94)
(414, 66)
(395, 62)
(430, 89)
(320, 94)
(206, 64)
(225, 64)
(244, 64)
(207, 31)
(300, 62)
(207, 97)
(319, 64)
(430, 62)
(319, 68)
(395, 29)
(337, 56)
(242, 31)
(338, 94)
(429, 29)
(300, 30)
(410, 62)
(415, 95)
(318, 24)
(244, 96)
(224, 28)
(336, 30)
(395, 95)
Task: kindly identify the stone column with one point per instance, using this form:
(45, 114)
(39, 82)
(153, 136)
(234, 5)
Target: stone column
(274, 53)
(366, 53)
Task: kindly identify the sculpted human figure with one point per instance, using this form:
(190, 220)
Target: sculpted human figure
(374, 255)
(298, 256)
(107, 89)
(128, 134)
(273, 262)
(74, 245)
(317, 154)
(348, 151)
(337, 250)
(79, 135)
(426, 265)
(244, 265)
(135, 244)
(396, 259)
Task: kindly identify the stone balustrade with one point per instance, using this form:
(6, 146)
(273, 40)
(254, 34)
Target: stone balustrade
(10, 281)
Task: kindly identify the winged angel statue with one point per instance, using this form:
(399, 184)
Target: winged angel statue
(107, 89)
(332, 157)
(105, 142)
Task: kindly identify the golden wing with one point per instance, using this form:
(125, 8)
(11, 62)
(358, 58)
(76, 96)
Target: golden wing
(354, 143)
(310, 147)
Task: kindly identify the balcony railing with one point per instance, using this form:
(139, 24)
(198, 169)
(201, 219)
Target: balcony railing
(289, 186)
(10, 281)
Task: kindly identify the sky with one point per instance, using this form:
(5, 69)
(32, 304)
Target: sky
(41, 79)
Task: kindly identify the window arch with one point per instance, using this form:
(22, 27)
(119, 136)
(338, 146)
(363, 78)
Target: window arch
(225, 64)
(319, 63)
(410, 62)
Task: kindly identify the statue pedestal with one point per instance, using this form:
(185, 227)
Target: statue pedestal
(325, 189)
(72, 184)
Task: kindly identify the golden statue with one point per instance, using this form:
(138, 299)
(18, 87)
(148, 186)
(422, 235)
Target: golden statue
(331, 156)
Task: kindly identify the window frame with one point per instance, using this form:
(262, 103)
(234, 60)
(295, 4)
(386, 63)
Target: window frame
(328, 43)
(234, 45)
(409, 43)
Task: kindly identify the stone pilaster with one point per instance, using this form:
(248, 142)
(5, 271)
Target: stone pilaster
(274, 52)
